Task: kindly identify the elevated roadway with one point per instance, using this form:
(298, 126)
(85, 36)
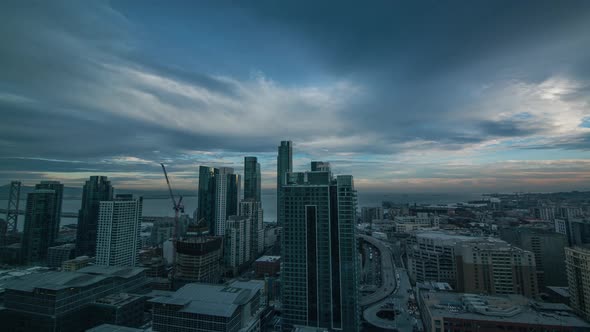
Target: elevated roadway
(388, 282)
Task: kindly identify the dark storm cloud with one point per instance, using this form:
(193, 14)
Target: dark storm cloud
(88, 86)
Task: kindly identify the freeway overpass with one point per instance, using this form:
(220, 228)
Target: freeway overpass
(388, 283)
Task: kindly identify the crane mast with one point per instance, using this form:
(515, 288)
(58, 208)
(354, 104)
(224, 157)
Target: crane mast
(178, 208)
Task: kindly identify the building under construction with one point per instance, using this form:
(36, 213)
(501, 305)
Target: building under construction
(198, 259)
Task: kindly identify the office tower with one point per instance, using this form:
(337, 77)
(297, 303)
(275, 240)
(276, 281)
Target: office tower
(253, 210)
(320, 166)
(198, 259)
(96, 189)
(118, 239)
(59, 192)
(39, 225)
(251, 179)
(284, 166)
(206, 207)
(237, 242)
(548, 247)
(368, 214)
(319, 252)
(202, 307)
(577, 261)
(492, 267)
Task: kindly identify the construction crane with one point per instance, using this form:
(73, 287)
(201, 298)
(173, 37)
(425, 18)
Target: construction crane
(178, 208)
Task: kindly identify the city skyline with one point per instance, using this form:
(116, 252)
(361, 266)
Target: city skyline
(457, 97)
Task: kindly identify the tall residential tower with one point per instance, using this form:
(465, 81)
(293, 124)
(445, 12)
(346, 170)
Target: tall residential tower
(119, 224)
(320, 262)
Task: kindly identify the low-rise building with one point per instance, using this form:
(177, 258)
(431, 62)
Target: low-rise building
(267, 266)
(65, 301)
(76, 263)
(461, 312)
(58, 254)
(205, 307)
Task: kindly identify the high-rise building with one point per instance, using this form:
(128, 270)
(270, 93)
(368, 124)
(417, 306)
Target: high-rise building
(493, 266)
(206, 207)
(96, 189)
(548, 247)
(59, 193)
(577, 260)
(284, 166)
(253, 210)
(226, 200)
(219, 197)
(39, 225)
(118, 240)
(252, 179)
(237, 242)
(319, 252)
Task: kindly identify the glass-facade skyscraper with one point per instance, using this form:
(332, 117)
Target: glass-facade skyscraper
(251, 179)
(219, 196)
(284, 166)
(320, 263)
(96, 189)
(59, 193)
(40, 220)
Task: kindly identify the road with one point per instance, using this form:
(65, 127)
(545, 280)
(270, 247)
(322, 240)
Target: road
(403, 322)
(387, 273)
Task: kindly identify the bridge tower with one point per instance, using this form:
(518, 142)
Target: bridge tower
(12, 210)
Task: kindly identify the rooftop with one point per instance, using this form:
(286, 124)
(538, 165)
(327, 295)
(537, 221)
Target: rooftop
(214, 300)
(269, 259)
(508, 308)
(113, 328)
(113, 271)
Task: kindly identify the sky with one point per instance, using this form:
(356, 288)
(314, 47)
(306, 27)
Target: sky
(407, 96)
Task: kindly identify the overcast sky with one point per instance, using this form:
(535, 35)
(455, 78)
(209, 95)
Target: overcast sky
(414, 96)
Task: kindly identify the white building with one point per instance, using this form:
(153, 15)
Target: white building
(226, 198)
(118, 239)
(253, 210)
(237, 242)
(407, 224)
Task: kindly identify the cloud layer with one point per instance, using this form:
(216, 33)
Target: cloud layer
(426, 97)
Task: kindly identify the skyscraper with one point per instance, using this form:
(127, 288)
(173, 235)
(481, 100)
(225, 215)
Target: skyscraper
(253, 210)
(251, 179)
(59, 193)
(39, 225)
(96, 189)
(320, 166)
(206, 207)
(320, 263)
(284, 166)
(118, 240)
(219, 196)
(237, 242)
